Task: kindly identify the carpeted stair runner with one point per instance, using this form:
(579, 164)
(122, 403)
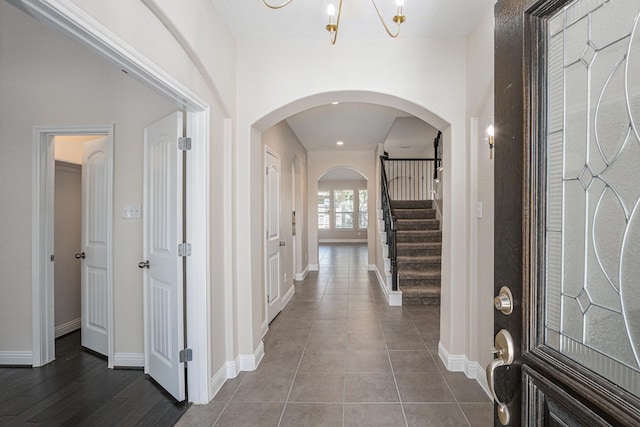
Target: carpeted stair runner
(419, 245)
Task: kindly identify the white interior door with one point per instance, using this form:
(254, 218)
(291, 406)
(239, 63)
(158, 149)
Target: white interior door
(272, 226)
(94, 249)
(163, 278)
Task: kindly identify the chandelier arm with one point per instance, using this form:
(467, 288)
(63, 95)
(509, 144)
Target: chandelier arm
(334, 35)
(397, 33)
(276, 6)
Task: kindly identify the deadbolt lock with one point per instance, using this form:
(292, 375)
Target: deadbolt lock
(504, 301)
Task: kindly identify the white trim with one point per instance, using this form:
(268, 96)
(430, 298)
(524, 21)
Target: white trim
(232, 370)
(230, 291)
(67, 328)
(42, 286)
(20, 358)
(249, 362)
(342, 240)
(314, 267)
(460, 363)
(301, 276)
(129, 360)
(265, 328)
(372, 267)
(218, 380)
(68, 18)
(288, 295)
(394, 298)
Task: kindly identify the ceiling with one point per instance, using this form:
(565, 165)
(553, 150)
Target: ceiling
(361, 126)
(304, 19)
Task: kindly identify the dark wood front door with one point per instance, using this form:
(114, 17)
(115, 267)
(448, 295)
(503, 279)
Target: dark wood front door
(567, 234)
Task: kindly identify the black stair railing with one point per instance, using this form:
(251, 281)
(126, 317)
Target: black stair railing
(390, 224)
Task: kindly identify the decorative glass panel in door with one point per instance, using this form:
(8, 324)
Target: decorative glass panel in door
(592, 225)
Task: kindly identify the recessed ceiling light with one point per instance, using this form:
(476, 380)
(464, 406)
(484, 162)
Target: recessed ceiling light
(340, 143)
(335, 103)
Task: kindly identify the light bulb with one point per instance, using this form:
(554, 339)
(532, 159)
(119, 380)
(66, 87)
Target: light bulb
(490, 130)
(331, 10)
(400, 3)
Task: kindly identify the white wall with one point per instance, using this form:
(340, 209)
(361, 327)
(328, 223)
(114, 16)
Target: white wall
(479, 298)
(47, 79)
(192, 45)
(425, 78)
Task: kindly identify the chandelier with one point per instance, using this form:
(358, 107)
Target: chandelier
(334, 23)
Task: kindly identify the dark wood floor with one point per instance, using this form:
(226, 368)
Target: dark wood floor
(78, 389)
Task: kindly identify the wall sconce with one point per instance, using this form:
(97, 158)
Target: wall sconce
(490, 139)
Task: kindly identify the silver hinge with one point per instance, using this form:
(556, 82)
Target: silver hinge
(267, 170)
(184, 143)
(184, 249)
(186, 355)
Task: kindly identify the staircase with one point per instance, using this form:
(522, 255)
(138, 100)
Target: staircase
(419, 248)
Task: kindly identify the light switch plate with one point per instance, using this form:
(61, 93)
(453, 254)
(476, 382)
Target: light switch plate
(131, 212)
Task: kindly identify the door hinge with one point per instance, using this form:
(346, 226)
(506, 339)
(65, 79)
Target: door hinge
(267, 170)
(186, 355)
(268, 299)
(184, 249)
(184, 143)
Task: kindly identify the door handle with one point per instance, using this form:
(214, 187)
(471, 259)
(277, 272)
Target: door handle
(143, 264)
(504, 349)
(282, 243)
(80, 255)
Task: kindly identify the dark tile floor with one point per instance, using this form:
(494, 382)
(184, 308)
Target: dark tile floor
(338, 355)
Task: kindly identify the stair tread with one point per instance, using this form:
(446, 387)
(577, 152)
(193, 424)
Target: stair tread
(419, 244)
(418, 231)
(419, 258)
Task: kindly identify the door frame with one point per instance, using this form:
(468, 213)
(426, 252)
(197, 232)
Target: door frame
(42, 284)
(75, 23)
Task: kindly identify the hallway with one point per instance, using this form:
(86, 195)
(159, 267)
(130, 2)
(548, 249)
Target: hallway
(338, 355)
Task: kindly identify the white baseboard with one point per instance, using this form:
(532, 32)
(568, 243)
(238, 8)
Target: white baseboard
(232, 369)
(128, 360)
(314, 267)
(287, 296)
(342, 240)
(12, 358)
(249, 362)
(394, 298)
(66, 328)
(303, 275)
(460, 363)
(218, 380)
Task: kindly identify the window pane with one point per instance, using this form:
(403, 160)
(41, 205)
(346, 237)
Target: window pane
(343, 200)
(364, 200)
(363, 220)
(344, 220)
(324, 205)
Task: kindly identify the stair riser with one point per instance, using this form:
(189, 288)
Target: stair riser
(418, 237)
(412, 204)
(418, 226)
(419, 282)
(415, 214)
(432, 251)
(419, 266)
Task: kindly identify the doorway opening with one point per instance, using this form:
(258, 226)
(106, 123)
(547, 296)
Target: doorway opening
(343, 207)
(92, 286)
